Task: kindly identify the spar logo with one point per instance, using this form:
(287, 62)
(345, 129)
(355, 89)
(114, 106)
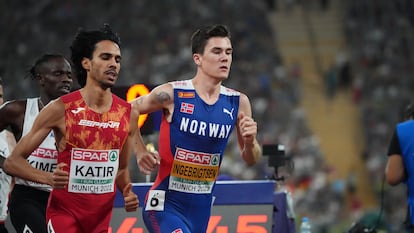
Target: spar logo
(45, 153)
(113, 156)
(214, 159)
(197, 157)
(95, 155)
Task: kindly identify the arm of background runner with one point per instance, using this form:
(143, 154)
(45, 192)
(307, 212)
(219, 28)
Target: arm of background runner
(395, 170)
(11, 143)
(12, 116)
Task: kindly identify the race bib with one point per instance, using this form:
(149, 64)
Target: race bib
(93, 171)
(42, 159)
(155, 201)
(194, 172)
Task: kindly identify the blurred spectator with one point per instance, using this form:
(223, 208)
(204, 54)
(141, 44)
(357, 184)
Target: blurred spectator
(381, 59)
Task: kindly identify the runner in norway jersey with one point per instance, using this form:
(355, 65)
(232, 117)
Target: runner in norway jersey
(191, 150)
(92, 153)
(198, 118)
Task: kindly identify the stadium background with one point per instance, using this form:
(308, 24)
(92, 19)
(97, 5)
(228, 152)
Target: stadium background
(326, 78)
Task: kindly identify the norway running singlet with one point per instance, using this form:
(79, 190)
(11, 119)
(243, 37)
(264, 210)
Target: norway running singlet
(44, 157)
(191, 149)
(5, 180)
(93, 142)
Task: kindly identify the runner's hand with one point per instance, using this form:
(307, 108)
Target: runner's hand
(60, 178)
(130, 199)
(148, 162)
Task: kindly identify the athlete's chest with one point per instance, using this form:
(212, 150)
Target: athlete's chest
(86, 127)
(193, 117)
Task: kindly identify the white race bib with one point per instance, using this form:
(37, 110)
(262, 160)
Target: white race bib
(93, 171)
(155, 201)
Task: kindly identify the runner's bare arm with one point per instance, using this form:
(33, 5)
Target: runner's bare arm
(123, 177)
(160, 98)
(147, 161)
(123, 180)
(247, 132)
(12, 116)
(11, 142)
(395, 172)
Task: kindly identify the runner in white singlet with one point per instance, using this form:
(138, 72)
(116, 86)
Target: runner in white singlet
(28, 200)
(7, 144)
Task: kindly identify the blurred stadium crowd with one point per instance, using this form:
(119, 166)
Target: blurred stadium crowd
(156, 48)
(379, 36)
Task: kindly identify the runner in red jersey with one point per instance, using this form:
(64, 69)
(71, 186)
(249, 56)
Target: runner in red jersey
(94, 131)
(92, 156)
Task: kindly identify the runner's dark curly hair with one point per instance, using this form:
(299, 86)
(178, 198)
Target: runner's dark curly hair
(83, 46)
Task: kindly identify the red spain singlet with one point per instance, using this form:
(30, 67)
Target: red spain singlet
(93, 145)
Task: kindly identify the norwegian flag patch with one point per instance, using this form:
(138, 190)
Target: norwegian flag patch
(187, 108)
